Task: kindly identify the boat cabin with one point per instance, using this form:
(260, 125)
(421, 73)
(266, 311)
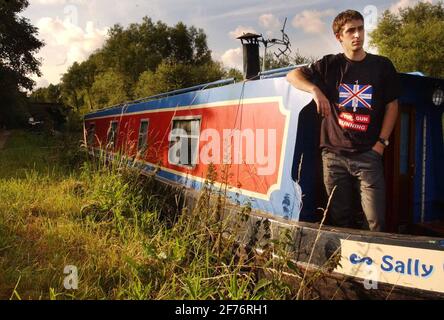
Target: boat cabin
(265, 135)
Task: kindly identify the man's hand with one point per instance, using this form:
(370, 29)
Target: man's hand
(379, 148)
(322, 103)
(297, 79)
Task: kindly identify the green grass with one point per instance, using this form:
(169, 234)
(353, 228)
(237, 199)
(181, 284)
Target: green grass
(122, 231)
(24, 152)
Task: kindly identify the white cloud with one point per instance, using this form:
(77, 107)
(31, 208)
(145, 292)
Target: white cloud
(55, 2)
(237, 10)
(66, 43)
(269, 21)
(47, 2)
(232, 58)
(240, 30)
(311, 20)
(41, 83)
(402, 4)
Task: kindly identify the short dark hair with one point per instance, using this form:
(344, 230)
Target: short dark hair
(345, 17)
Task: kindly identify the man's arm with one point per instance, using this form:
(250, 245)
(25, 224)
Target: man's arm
(298, 80)
(390, 117)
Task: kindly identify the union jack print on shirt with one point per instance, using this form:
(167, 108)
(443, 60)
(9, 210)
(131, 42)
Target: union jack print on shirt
(355, 96)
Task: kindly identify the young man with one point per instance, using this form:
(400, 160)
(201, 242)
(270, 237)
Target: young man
(356, 93)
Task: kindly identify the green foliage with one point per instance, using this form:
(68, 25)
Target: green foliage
(72, 85)
(143, 59)
(51, 93)
(235, 73)
(167, 77)
(78, 81)
(272, 62)
(107, 220)
(142, 47)
(103, 95)
(413, 39)
(18, 45)
(298, 58)
(171, 75)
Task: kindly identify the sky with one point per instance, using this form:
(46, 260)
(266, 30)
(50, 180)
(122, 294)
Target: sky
(73, 29)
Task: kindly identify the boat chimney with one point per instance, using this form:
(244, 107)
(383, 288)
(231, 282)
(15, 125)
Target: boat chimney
(250, 46)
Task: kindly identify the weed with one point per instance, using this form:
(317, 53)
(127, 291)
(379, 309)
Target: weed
(129, 236)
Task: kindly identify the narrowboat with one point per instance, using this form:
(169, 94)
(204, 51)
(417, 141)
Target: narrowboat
(267, 134)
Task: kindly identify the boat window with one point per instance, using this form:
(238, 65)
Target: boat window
(90, 135)
(404, 152)
(184, 141)
(143, 137)
(112, 134)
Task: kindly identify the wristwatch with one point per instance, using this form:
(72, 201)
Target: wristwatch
(383, 141)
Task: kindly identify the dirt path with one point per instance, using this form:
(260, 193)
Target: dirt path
(3, 137)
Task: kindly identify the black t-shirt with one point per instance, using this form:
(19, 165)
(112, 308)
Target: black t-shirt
(359, 92)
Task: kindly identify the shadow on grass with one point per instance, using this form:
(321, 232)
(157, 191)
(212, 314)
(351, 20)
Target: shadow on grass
(26, 151)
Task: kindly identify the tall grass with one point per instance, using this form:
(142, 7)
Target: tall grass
(128, 236)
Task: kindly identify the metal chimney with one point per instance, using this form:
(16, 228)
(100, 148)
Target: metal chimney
(250, 46)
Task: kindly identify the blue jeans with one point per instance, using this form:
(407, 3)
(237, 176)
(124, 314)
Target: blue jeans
(355, 174)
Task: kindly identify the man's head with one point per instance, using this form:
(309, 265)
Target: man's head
(348, 27)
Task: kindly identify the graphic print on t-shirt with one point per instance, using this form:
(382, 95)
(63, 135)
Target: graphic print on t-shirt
(358, 97)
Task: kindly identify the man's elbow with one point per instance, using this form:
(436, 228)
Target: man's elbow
(393, 106)
(294, 76)
(290, 76)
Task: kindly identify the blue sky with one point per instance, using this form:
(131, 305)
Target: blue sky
(73, 29)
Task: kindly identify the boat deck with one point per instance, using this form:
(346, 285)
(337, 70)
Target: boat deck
(435, 228)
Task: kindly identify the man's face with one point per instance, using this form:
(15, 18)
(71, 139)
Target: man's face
(351, 36)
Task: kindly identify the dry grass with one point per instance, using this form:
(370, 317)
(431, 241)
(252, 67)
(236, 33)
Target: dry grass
(126, 238)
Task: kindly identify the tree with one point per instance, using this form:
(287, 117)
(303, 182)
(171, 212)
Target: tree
(413, 39)
(171, 75)
(272, 62)
(71, 87)
(298, 58)
(134, 56)
(18, 45)
(168, 76)
(78, 81)
(235, 73)
(52, 94)
(208, 72)
(142, 47)
(108, 89)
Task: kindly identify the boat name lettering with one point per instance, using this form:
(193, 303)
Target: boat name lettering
(412, 267)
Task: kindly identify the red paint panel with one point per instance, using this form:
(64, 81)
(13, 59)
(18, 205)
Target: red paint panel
(254, 171)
